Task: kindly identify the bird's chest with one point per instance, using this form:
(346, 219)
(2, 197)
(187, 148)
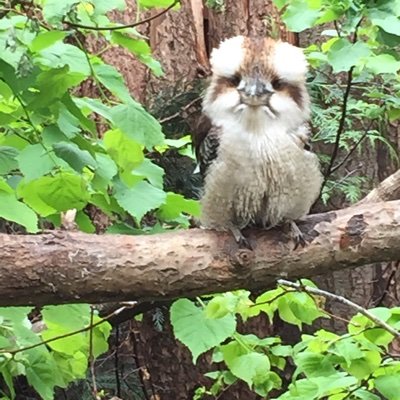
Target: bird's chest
(263, 176)
(261, 166)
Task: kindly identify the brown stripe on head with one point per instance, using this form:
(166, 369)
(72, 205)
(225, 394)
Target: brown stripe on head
(224, 84)
(296, 93)
(257, 61)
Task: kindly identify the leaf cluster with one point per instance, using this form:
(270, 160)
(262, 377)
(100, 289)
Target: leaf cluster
(323, 365)
(60, 151)
(62, 360)
(358, 51)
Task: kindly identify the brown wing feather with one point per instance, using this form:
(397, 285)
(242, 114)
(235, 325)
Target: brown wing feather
(206, 142)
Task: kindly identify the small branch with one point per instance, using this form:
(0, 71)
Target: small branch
(177, 114)
(119, 27)
(352, 150)
(342, 300)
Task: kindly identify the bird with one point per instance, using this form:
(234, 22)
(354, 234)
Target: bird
(253, 150)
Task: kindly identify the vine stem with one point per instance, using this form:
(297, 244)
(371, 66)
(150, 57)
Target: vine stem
(343, 115)
(343, 300)
(119, 27)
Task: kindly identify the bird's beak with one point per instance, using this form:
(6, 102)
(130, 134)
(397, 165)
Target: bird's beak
(254, 92)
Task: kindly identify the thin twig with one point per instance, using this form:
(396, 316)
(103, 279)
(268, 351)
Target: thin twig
(119, 27)
(91, 357)
(340, 127)
(342, 300)
(334, 316)
(352, 150)
(65, 335)
(177, 114)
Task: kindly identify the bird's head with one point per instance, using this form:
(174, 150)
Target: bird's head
(258, 75)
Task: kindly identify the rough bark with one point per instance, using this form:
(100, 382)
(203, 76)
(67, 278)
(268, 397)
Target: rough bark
(76, 267)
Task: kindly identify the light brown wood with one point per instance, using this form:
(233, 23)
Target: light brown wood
(64, 267)
(388, 189)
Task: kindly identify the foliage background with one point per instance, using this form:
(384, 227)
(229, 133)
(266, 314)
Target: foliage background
(73, 135)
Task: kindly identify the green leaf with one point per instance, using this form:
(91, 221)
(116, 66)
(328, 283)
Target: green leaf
(67, 122)
(280, 3)
(74, 156)
(60, 192)
(388, 22)
(13, 210)
(383, 64)
(388, 386)
(8, 379)
(137, 124)
(127, 153)
(52, 134)
(220, 306)
(348, 349)
(54, 10)
(36, 161)
(101, 334)
(175, 205)
(300, 16)
(365, 395)
(113, 81)
(40, 373)
(61, 54)
(71, 316)
(95, 106)
(252, 367)
(8, 160)
(46, 39)
(152, 172)
(85, 123)
(197, 332)
(84, 222)
(303, 389)
(140, 49)
(155, 3)
(139, 199)
(342, 55)
(361, 368)
(103, 6)
(314, 365)
(71, 367)
(105, 171)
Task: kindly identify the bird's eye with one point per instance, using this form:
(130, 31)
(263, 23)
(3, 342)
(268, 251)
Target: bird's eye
(278, 84)
(235, 80)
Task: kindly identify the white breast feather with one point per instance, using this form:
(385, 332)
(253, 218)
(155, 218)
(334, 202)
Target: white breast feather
(261, 175)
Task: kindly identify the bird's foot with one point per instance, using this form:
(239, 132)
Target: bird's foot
(240, 239)
(297, 235)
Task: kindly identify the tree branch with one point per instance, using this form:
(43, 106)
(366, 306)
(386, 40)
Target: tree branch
(65, 267)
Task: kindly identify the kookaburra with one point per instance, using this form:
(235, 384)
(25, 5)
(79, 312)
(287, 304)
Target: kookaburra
(254, 157)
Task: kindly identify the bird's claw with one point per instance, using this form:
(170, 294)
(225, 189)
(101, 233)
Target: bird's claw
(242, 241)
(297, 235)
